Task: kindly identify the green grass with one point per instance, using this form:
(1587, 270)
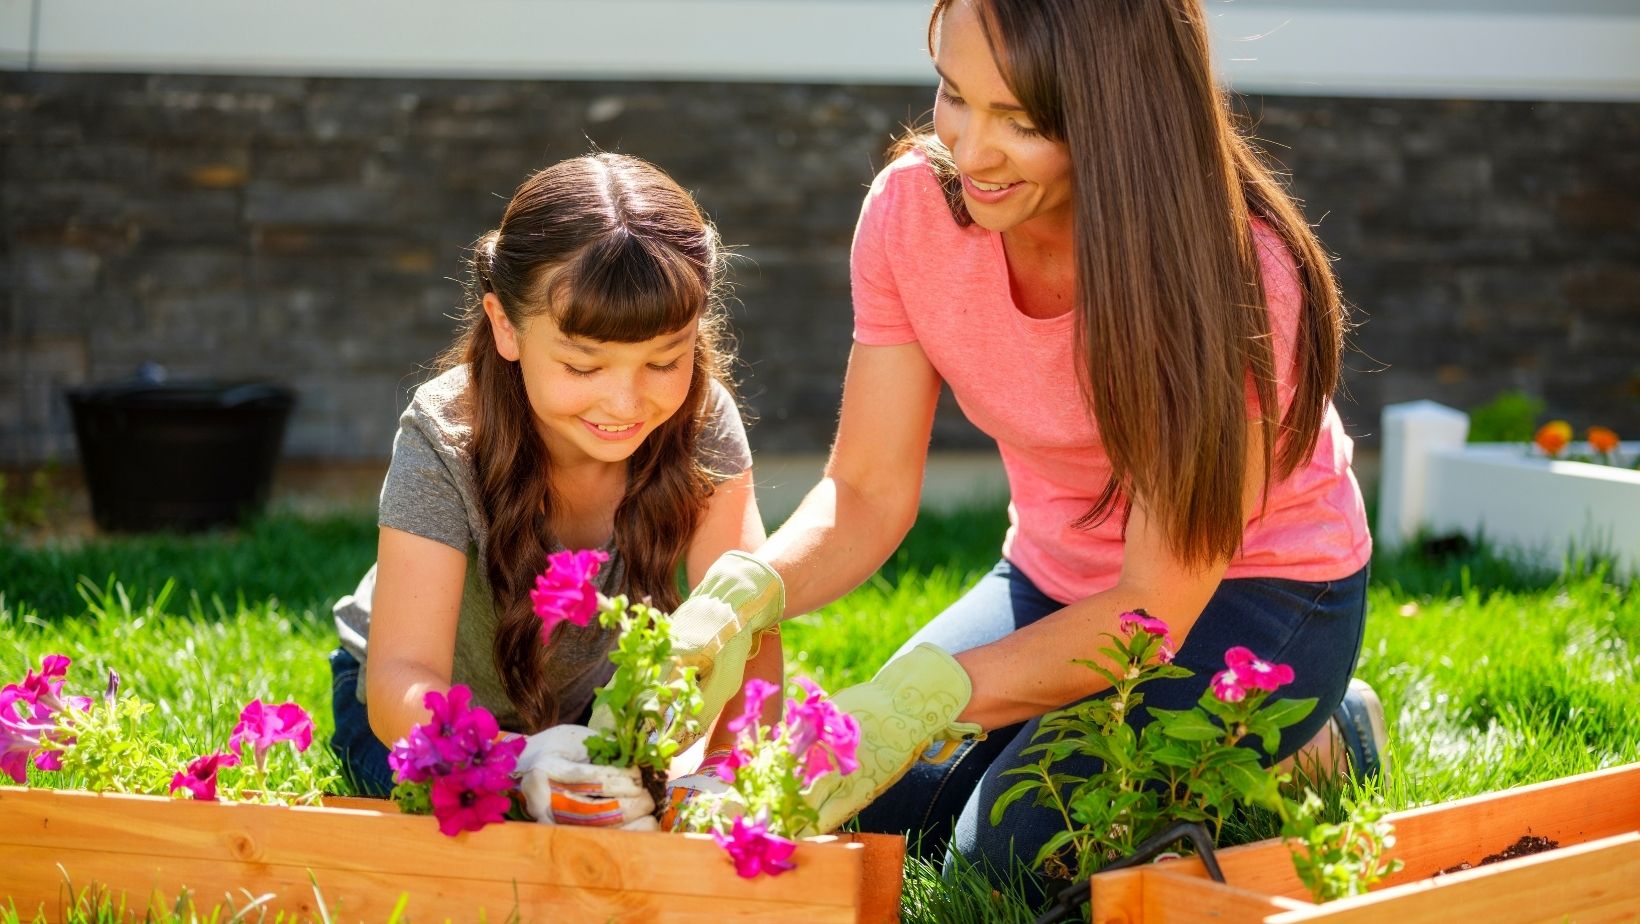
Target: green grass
(1494, 674)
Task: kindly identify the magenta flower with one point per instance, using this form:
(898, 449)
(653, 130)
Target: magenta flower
(565, 592)
(823, 736)
(416, 758)
(1141, 621)
(757, 691)
(466, 801)
(1254, 672)
(200, 777)
(737, 758)
(264, 726)
(754, 849)
(1228, 686)
(24, 725)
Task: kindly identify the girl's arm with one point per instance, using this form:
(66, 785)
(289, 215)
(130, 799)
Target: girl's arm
(1011, 678)
(867, 499)
(413, 616)
(733, 522)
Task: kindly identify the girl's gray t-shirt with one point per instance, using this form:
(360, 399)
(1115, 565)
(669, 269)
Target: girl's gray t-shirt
(431, 490)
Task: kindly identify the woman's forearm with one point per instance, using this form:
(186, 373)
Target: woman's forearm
(836, 538)
(395, 698)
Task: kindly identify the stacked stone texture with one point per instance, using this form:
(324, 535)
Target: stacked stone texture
(313, 231)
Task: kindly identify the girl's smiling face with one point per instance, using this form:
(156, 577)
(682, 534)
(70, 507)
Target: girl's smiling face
(1012, 175)
(595, 400)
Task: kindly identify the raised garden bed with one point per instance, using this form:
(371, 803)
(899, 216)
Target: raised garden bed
(1592, 876)
(1432, 481)
(363, 856)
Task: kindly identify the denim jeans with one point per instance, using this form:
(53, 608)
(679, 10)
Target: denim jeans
(1315, 627)
(361, 753)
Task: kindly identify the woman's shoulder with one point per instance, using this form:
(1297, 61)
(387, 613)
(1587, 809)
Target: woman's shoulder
(908, 183)
(1278, 267)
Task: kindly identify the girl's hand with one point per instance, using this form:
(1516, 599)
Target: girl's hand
(562, 786)
(680, 792)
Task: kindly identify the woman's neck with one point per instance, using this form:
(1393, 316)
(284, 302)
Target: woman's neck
(1041, 269)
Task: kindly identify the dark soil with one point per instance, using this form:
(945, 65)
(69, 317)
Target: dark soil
(1526, 846)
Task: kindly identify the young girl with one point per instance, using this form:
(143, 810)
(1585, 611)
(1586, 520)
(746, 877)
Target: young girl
(583, 406)
(1116, 289)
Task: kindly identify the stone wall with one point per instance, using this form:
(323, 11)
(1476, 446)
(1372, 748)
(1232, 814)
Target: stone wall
(312, 230)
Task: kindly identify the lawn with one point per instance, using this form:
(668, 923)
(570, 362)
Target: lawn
(1493, 674)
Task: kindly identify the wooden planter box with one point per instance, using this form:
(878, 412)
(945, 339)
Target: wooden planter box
(1594, 876)
(364, 856)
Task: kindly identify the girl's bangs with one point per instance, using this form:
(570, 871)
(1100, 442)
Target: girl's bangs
(625, 289)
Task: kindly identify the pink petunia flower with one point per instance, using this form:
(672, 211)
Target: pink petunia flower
(823, 736)
(466, 801)
(264, 726)
(200, 776)
(1228, 686)
(757, 691)
(24, 725)
(736, 759)
(416, 757)
(754, 850)
(1254, 672)
(1141, 621)
(565, 592)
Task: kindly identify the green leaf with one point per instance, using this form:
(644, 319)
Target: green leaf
(1191, 726)
(1284, 712)
(1011, 795)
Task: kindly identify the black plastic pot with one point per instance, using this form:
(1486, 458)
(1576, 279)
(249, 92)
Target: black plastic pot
(178, 454)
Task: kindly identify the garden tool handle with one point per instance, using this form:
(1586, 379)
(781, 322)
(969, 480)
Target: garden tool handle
(1064, 904)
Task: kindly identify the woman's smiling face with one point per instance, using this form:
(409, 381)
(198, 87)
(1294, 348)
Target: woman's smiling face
(1012, 175)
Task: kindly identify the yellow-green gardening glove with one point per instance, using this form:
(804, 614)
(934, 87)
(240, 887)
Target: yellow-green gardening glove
(715, 630)
(911, 704)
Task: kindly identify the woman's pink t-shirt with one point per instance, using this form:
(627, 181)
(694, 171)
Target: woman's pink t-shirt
(919, 277)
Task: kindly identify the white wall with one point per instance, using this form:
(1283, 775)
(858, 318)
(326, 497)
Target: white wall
(1526, 49)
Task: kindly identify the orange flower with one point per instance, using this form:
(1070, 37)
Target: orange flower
(1602, 439)
(1553, 436)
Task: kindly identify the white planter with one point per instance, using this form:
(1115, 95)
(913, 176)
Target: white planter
(1542, 508)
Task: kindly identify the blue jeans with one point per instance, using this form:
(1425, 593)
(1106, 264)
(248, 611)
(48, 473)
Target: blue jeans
(1315, 627)
(361, 753)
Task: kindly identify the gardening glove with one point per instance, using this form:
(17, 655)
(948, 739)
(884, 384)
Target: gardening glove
(562, 786)
(716, 630)
(706, 780)
(910, 705)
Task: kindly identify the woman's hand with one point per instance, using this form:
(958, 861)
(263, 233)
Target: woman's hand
(909, 706)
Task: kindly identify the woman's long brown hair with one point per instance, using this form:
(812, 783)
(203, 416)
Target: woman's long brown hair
(1170, 315)
(612, 249)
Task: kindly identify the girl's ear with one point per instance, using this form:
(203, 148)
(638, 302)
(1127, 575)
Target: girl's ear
(506, 336)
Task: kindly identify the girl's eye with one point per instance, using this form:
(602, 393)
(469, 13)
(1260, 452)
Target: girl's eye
(669, 367)
(1024, 131)
(578, 372)
(947, 96)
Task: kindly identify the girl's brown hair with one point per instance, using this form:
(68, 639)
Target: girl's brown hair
(612, 249)
(1170, 317)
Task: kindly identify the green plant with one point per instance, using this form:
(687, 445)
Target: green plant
(1342, 859)
(1511, 417)
(645, 720)
(1186, 765)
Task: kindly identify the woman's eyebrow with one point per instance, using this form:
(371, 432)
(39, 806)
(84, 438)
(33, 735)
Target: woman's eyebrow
(1001, 107)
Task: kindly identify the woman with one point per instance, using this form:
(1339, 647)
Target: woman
(1118, 291)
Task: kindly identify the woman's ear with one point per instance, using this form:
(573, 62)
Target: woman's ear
(506, 336)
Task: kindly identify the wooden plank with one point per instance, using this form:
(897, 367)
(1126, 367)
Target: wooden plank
(1592, 883)
(411, 847)
(1570, 811)
(1170, 899)
(1118, 897)
(33, 880)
